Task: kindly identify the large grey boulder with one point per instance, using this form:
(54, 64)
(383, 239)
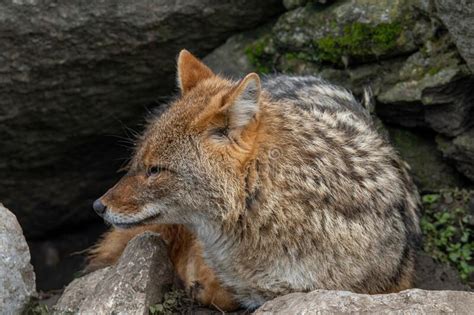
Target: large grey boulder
(140, 279)
(413, 301)
(17, 278)
(458, 16)
(74, 73)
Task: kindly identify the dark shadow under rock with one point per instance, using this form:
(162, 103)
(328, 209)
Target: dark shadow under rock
(60, 257)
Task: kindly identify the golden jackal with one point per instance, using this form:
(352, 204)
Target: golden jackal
(273, 187)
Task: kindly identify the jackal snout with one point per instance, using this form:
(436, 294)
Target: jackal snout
(99, 207)
(121, 205)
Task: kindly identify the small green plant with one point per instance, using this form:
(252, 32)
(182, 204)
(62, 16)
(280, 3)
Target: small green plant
(34, 308)
(174, 302)
(448, 231)
(434, 70)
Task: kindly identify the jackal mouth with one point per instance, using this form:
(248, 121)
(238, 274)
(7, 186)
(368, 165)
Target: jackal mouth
(128, 225)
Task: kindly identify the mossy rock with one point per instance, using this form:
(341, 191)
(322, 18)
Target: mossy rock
(436, 64)
(351, 31)
(259, 54)
(358, 41)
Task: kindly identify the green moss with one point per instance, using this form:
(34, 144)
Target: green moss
(358, 40)
(291, 56)
(434, 70)
(447, 229)
(304, 56)
(255, 52)
(385, 36)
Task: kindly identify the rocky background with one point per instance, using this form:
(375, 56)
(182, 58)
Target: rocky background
(77, 80)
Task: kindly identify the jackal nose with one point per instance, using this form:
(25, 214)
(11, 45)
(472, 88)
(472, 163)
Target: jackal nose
(99, 207)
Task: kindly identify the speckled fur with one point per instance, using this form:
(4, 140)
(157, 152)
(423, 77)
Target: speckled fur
(297, 193)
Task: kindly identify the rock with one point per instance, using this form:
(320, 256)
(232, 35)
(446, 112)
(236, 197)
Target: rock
(432, 275)
(430, 172)
(413, 79)
(449, 107)
(78, 290)
(458, 18)
(17, 278)
(412, 301)
(291, 4)
(349, 32)
(461, 150)
(430, 90)
(344, 34)
(74, 74)
(230, 59)
(139, 279)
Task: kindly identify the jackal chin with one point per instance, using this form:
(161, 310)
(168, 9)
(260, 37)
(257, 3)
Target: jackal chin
(147, 215)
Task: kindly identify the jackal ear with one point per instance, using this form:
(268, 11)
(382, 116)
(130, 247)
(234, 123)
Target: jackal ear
(243, 101)
(191, 71)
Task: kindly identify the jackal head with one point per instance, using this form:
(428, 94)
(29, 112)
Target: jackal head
(190, 161)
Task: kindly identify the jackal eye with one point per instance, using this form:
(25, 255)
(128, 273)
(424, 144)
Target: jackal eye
(154, 170)
(222, 132)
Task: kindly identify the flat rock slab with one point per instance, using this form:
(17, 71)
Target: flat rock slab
(414, 301)
(139, 279)
(17, 278)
